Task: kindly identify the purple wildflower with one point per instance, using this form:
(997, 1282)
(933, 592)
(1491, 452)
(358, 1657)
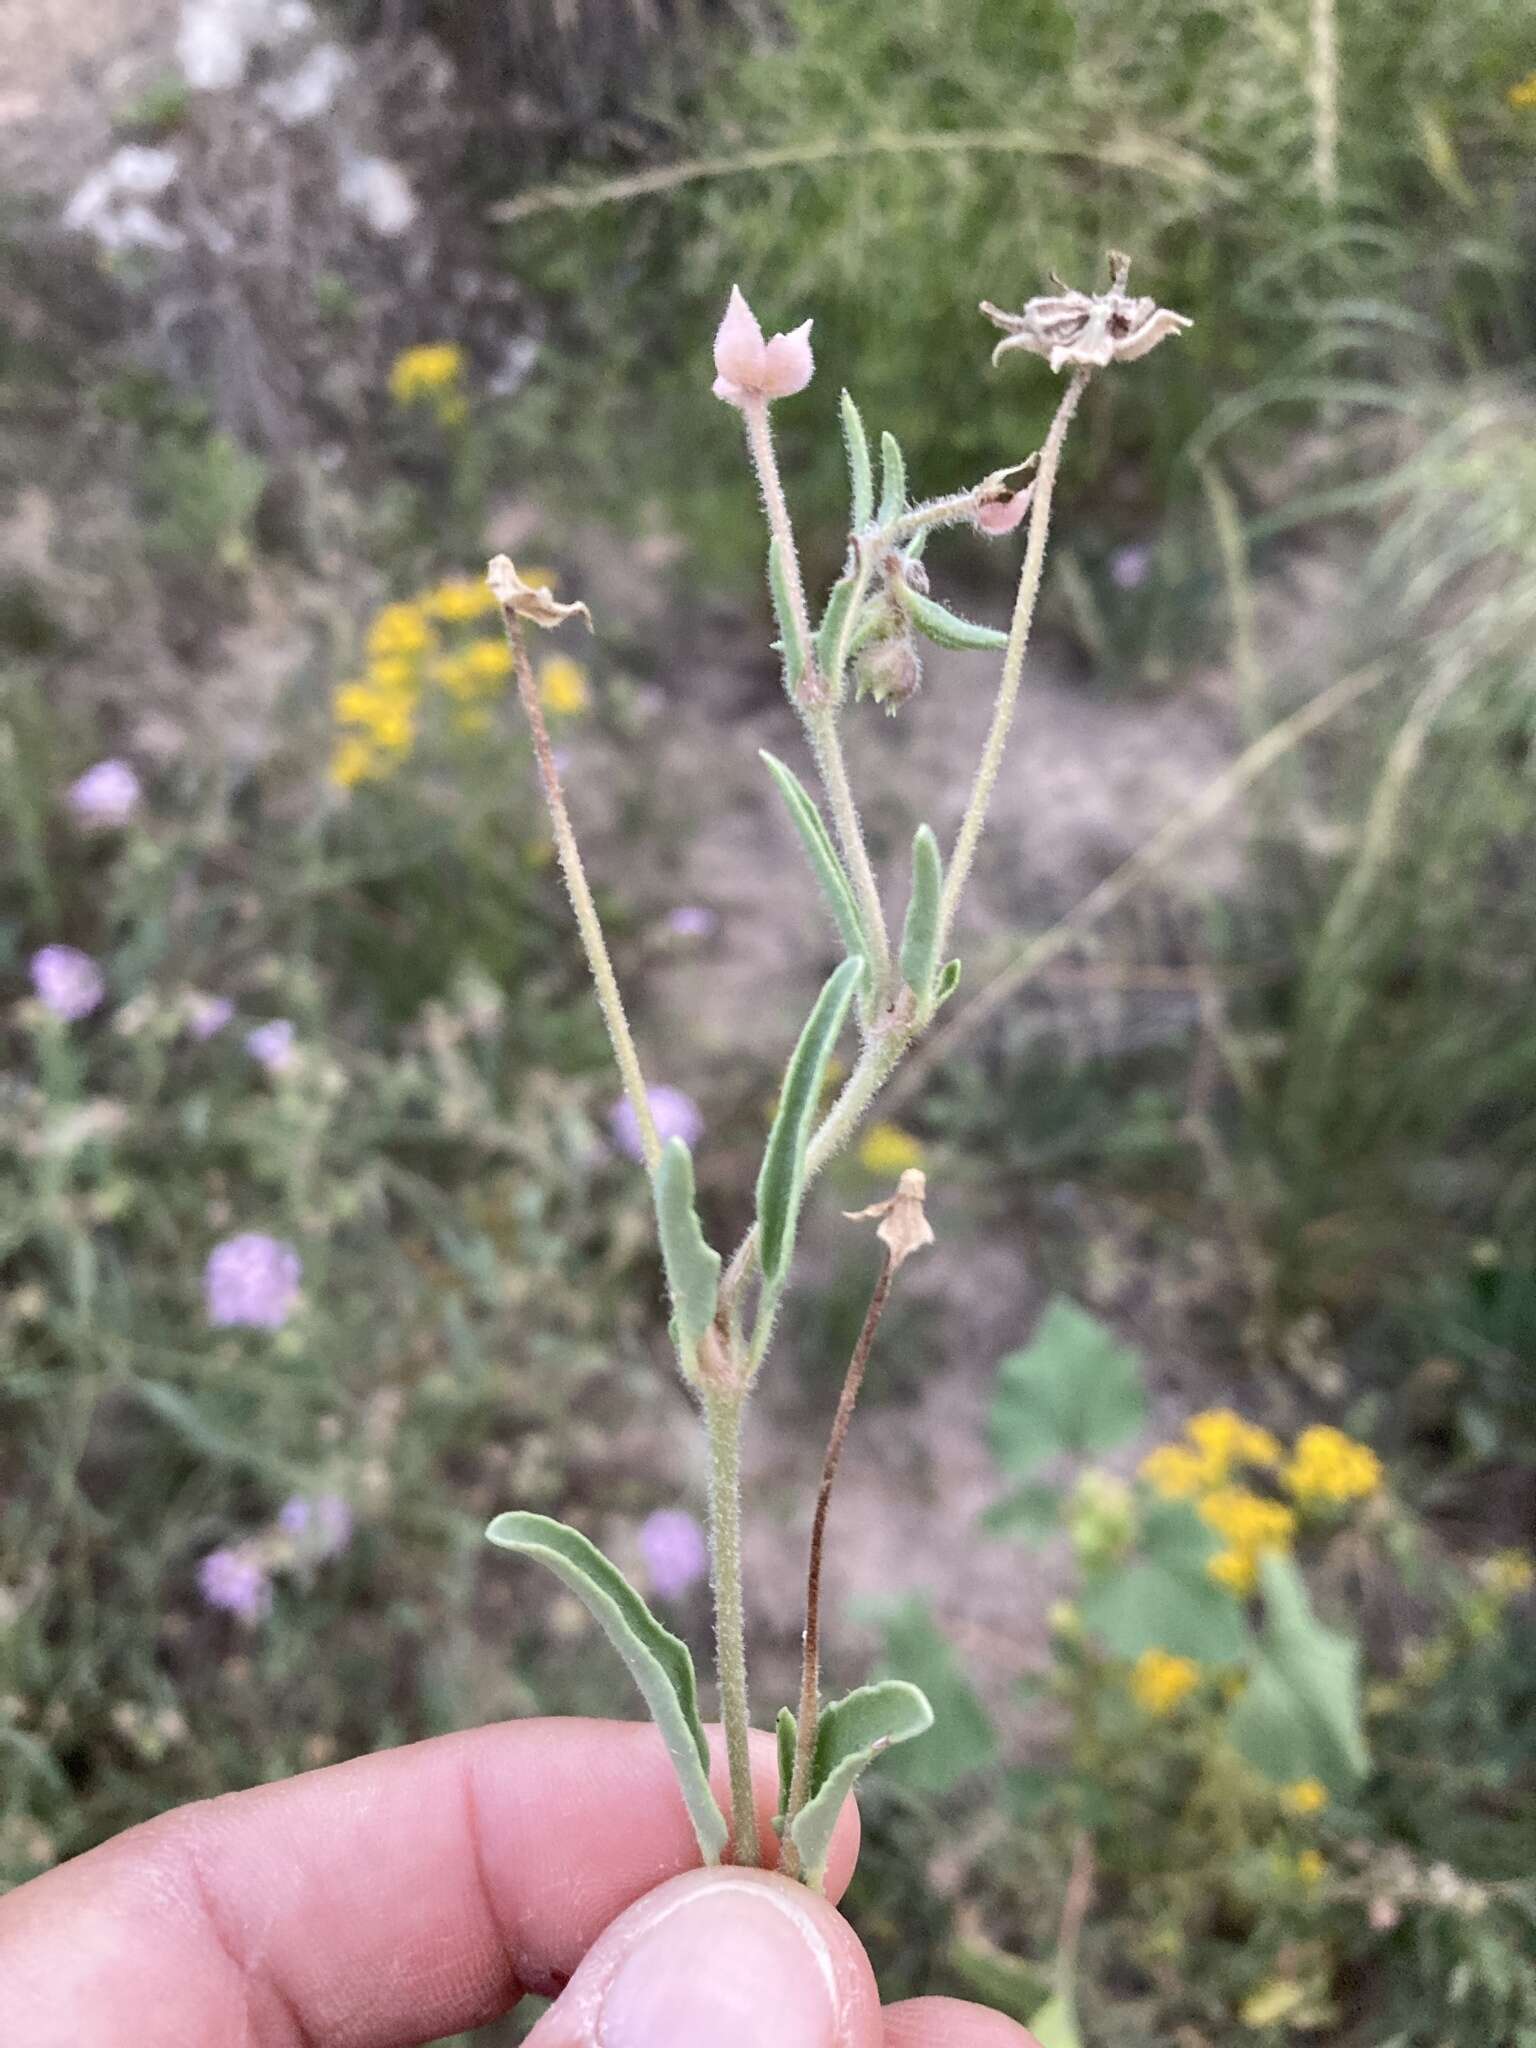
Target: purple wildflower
(68, 982)
(107, 794)
(675, 1554)
(1129, 567)
(251, 1281)
(207, 1015)
(321, 1527)
(236, 1582)
(271, 1045)
(676, 1115)
(693, 921)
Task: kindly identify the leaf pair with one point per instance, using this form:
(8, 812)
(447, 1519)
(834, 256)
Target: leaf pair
(850, 1734)
(658, 1662)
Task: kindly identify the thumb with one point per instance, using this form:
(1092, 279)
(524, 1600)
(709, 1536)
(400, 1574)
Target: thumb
(740, 1957)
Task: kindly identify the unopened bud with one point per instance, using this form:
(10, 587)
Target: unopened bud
(889, 671)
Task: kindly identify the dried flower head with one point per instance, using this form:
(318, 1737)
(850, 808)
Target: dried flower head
(748, 367)
(1088, 330)
(527, 600)
(904, 1226)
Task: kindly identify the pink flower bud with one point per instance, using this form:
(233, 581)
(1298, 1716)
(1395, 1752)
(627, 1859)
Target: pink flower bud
(748, 367)
(1002, 515)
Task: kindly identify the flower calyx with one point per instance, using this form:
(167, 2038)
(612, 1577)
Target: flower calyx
(1089, 330)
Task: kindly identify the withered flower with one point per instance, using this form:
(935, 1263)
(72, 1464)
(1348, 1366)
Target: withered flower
(904, 1226)
(1088, 330)
(527, 600)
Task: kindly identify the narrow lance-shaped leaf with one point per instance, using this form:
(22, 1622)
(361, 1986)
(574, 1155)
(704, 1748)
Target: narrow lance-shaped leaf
(830, 631)
(920, 933)
(817, 842)
(948, 982)
(781, 1183)
(850, 1735)
(659, 1664)
(786, 1732)
(861, 483)
(893, 479)
(784, 613)
(692, 1264)
(946, 628)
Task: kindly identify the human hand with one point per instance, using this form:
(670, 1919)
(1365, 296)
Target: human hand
(385, 1902)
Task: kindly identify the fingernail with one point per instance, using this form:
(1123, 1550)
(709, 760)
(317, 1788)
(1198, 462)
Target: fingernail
(737, 1964)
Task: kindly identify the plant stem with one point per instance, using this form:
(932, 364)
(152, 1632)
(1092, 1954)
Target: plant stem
(587, 922)
(723, 1417)
(810, 1669)
(820, 719)
(1013, 658)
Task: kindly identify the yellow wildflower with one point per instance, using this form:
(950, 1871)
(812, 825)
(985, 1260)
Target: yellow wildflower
(1227, 1439)
(1236, 1570)
(563, 687)
(1311, 1866)
(1507, 1574)
(353, 703)
(1328, 1468)
(399, 629)
(490, 661)
(1247, 1520)
(1307, 1795)
(1522, 97)
(1160, 1682)
(393, 726)
(393, 672)
(451, 673)
(354, 761)
(431, 370)
(888, 1150)
(459, 600)
(1175, 1472)
(475, 719)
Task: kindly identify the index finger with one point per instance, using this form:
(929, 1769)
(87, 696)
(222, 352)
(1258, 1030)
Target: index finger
(375, 1904)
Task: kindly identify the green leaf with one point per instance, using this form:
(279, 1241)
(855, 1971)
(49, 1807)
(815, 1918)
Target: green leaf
(1073, 1388)
(915, 1650)
(948, 982)
(825, 864)
(1034, 1511)
(920, 933)
(893, 479)
(852, 1732)
(830, 631)
(860, 482)
(692, 1264)
(1152, 1605)
(659, 1664)
(946, 628)
(781, 1183)
(1005, 1983)
(785, 1729)
(1055, 2024)
(784, 614)
(1299, 1714)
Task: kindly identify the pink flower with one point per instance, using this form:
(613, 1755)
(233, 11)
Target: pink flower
(271, 1045)
(207, 1015)
(236, 1581)
(675, 1553)
(251, 1282)
(751, 368)
(107, 794)
(1002, 515)
(68, 982)
(675, 1115)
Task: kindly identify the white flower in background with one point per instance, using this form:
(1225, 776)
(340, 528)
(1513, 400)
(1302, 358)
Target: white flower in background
(111, 205)
(311, 90)
(216, 38)
(379, 191)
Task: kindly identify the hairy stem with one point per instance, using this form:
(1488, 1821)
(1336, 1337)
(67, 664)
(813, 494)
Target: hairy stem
(810, 1669)
(1013, 658)
(723, 1413)
(820, 719)
(587, 921)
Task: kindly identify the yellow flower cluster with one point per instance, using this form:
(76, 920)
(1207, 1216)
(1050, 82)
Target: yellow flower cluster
(431, 374)
(1507, 1574)
(1306, 1796)
(1329, 1469)
(887, 1151)
(1160, 1681)
(1251, 1526)
(1219, 1443)
(1522, 97)
(431, 644)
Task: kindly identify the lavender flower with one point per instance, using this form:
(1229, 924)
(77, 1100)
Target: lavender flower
(675, 1554)
(68, 982)
(1129, 567)
(676, 1115)
(271, 1045)
(692, 921)
(251, 1281)
(320, 1526)
(107, 794)
(207, 1016)
(236, 1582)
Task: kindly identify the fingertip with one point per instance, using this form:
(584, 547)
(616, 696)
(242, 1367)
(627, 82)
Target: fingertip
(950, 2023)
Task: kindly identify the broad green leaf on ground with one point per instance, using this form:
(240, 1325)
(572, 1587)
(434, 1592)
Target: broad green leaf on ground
(967, 1741)
(659, 1664)
(692, 1264)
(781, 1183)
(1073, 1388)
(1299, 1714)
(1166, 1599)
(852, 1732)
(1033, 1512)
